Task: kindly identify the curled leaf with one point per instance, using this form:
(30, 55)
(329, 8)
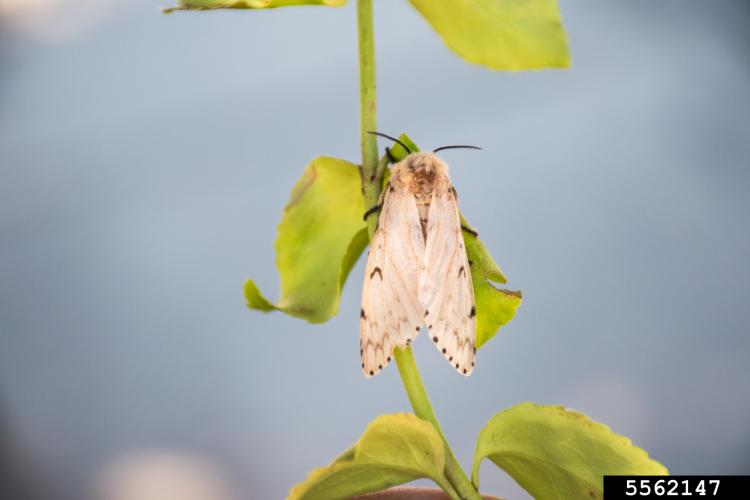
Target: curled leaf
(500, 34)
(395, 449)
(320, 238)
(557, 454)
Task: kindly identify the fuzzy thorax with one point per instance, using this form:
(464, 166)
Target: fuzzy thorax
(421, 174)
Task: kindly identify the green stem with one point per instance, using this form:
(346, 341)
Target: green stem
(371, 185)
(420, 402)
(460, 487)
(449, 490)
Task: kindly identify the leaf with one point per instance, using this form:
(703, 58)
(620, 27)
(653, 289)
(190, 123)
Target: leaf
(555, 453)
(394, 449)
(320, 238)
(248, 4)
(495, 306)
(500, 34)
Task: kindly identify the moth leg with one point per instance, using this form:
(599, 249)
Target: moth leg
(381, 199)
(470, 231)
(372, 211)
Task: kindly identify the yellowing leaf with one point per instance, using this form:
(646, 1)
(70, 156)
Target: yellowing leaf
(500, 34)
(558, 454)
(495, 306)
(320, 238)
(394, 449)
(248, 4)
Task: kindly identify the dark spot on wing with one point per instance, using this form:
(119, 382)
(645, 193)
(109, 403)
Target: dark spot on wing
(434, 339)
(473, 311)
(372, 373)
(377, 270)
(443, 350)
(464, 371)
(362, 314)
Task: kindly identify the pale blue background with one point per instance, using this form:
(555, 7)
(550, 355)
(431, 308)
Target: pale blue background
(144, 162)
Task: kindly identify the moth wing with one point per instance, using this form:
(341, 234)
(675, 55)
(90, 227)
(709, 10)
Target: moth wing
(391, 313)
(445, 289)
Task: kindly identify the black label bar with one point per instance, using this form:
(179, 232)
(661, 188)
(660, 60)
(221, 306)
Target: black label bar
(665, 487)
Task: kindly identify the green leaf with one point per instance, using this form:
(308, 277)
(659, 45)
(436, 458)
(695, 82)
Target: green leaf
(320, 238)
(500, 34)
(555, 453)
(248, 4)
(495, 306)
(394, 449)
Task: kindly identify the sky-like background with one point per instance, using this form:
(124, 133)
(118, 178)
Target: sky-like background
(144, 163)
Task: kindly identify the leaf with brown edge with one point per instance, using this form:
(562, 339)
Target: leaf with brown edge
(320, 237)
(248, 4)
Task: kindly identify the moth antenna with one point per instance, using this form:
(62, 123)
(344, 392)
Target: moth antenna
(461, 146)
(391, 138)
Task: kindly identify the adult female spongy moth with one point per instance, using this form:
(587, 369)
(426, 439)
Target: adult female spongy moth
(417, 270)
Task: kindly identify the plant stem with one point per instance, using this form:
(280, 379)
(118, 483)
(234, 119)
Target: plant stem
(420, 402)
(460, 486)
(371, 185)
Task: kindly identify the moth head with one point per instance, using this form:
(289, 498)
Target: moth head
(423, 164)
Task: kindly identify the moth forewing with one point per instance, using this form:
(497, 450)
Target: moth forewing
(390, 313)
(445, 288)
(417, 270)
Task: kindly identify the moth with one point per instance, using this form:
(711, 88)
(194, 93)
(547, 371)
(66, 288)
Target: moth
(417, 271)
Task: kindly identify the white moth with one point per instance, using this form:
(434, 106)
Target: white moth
(417, 270)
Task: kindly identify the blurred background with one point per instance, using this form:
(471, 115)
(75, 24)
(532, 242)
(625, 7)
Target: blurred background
(144, 163)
